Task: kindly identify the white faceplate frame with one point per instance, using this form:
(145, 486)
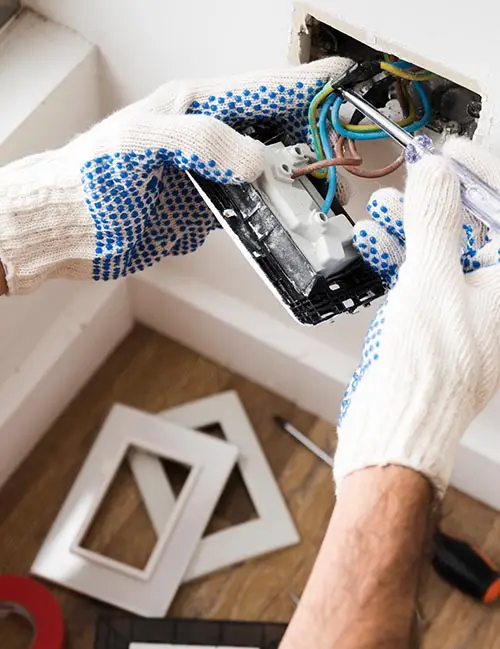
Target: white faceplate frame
(274, 528)
(149, 592)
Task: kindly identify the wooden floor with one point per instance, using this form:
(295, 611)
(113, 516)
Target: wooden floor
(152, 373)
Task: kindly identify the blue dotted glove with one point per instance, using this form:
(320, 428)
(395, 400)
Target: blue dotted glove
(381, 241)
(431, 358)
(117, 199)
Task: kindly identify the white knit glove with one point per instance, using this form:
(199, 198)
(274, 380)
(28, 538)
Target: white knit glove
(431, 359)
(116, 199)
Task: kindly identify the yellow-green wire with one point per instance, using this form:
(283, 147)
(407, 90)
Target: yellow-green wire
(313, 123)
(327, 90)
(404, 74)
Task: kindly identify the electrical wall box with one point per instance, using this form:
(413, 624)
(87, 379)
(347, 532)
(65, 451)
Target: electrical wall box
(456, 108)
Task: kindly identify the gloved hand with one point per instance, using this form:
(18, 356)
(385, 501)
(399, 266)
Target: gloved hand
(116, 199)
(381, 241)
(431, 359)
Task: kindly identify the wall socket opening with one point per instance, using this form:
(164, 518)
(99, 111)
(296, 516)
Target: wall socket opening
(455, 109)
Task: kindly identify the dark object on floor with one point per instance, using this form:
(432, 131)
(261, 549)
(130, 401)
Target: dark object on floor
(118, 632)
(466, 568)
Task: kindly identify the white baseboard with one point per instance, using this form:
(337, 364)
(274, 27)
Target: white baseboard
(65, 357)
(476, 474)
(59, 95)
(307, 372)
(477, 466)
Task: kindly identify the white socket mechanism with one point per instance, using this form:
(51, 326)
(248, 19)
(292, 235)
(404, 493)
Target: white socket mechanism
(324, 239)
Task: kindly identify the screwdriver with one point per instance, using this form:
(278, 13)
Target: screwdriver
(466, 568)
(304, 440)
(457, 562)
(477, 196)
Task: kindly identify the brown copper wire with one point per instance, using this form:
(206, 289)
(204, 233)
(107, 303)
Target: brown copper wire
(352, 164)
(401, 97)
(321, 164)
(353, 151)
(365, 173)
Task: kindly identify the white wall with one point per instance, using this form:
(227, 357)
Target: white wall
(23, 321)
(34, 117)
(146, 42)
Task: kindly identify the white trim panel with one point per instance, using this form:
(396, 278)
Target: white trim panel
(66, 356)
(150, 591)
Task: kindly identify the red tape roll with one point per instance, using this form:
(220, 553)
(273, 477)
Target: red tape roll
(26, 596)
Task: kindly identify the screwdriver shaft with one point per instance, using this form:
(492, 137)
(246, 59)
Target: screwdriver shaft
(305, 441)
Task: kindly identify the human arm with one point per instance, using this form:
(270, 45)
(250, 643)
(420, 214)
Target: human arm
(362, 590)
(3, 281)
(117, 199)
(430, 364)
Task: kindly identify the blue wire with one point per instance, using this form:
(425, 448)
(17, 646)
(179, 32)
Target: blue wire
(377, 135)
(403, 65)
(327, 148)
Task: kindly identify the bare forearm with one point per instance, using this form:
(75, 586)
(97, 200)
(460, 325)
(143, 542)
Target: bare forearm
(3, 281)
(361, 592)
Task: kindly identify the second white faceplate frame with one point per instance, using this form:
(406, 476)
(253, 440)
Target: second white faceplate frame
(274, 528)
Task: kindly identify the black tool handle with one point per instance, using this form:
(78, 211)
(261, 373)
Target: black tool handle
(466, 568)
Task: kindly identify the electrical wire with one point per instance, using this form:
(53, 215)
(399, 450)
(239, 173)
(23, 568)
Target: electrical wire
(401, 95)
(403, 98)
(398, 71)
(406, 121)
(313, 124)
(355, 120)
(326, 102)
(329, 154)
(339, 161)
(377, 135)
(370, 128)
(359, 171)
(404, 65)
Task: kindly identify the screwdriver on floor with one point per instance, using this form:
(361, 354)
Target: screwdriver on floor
(457, 562)
(466, 568)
